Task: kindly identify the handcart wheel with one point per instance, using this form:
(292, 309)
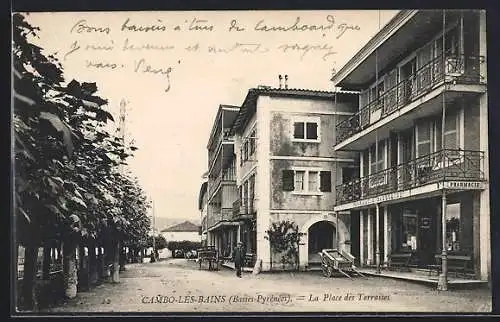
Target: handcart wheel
(325, 270)
(329, 271)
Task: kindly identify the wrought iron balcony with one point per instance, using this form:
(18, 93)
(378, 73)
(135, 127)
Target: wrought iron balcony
(456, 165)
(458, 69)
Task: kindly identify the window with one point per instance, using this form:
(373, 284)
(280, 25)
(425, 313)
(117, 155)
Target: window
(313, 181)
(377, 165)
(306, 181)
(245, 196)
(424, 135)
(251, 193)
(451, 138)
(376, 92)
(299, 180)
(453, 227)
(252, 142)
(245, 151)
(409, 231)
(377, 158)
(306, 129)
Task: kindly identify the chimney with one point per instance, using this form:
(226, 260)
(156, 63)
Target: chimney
(279, 76)
(286, 81)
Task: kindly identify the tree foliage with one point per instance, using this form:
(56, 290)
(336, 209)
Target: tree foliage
(284, 238)
(184, 245)
(66, 161)
(159, 242)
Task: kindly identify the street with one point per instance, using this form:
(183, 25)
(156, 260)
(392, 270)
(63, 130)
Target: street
(177, 285)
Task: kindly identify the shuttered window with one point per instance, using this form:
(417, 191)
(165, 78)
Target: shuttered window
(305, 181)
(306, 128)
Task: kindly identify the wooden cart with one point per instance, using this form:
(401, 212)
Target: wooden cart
(336, 261)
(208, 255)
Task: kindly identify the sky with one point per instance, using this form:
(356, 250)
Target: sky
(173, 69)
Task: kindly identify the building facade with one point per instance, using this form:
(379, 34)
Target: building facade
(287, 170)
(203, 208)
(422, 132)
(220, 228)
(184, 231)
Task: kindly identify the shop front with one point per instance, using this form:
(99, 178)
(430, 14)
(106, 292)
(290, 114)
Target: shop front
(413, 230)
(416, 228)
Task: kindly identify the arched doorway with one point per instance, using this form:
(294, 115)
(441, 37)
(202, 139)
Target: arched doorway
(321, 236)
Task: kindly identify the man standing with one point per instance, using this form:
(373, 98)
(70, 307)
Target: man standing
(239, 258)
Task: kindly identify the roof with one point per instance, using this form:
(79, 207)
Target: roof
(185, 226)
(248, 106)
(397, 21)
(217, 118)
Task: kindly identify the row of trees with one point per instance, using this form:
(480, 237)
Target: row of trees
(69, 188)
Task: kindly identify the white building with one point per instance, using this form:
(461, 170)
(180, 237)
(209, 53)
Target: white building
(181, 232)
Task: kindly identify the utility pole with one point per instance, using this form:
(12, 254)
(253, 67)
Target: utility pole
(154, 241)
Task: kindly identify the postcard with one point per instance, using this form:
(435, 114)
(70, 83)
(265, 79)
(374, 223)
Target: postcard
(250, 161)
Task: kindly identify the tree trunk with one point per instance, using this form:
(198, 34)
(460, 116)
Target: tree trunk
(83, 270)
(69, 269)
(123, 259)
(93, 268)
(101, 260)
(116, 262)
(107, 260)
(47, 259)
(29, 277)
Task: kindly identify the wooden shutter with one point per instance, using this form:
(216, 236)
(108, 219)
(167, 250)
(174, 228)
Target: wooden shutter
(287, 180)
(298, 130)
(325, 181)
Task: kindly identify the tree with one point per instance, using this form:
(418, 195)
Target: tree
(68, 187)
(284, 239)
(159, 242)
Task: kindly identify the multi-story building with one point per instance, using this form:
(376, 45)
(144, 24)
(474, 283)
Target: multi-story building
(287, 169)
(421, 127)
(203, 208)
(221, 189)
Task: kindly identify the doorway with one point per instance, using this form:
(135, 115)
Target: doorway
(407, 73)
(321, 236)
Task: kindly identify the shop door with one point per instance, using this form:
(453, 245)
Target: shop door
(427, 240)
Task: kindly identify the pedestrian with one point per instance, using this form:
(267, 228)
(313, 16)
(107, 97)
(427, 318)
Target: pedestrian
(239, 258)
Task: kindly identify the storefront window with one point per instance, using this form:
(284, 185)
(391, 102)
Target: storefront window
(453, 227)
(409, 230)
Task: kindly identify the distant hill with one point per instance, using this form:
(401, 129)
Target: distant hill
(164, 222)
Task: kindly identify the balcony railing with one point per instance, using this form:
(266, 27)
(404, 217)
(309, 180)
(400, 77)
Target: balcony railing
(226, 175)
(459, 165)
(225, 136)
(243, 207)
(454, 68)
(224, 214)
